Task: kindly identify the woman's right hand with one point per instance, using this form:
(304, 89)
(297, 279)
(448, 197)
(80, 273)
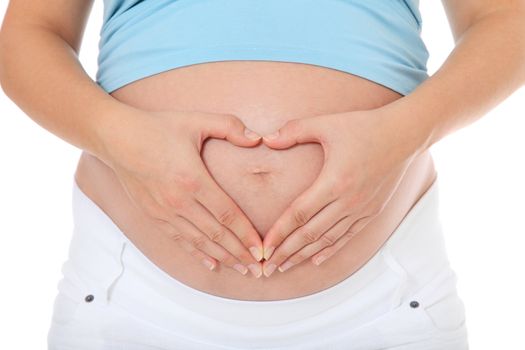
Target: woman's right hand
(156, 157)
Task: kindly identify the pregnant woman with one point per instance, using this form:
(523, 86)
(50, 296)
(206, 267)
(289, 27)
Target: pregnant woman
(256, 174)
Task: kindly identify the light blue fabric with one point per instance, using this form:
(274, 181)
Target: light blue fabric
(376, 39)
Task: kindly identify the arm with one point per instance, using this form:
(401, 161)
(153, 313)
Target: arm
(368, 152)
(41, 73)
(486, 66)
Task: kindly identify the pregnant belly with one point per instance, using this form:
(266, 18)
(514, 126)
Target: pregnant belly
(262, 181)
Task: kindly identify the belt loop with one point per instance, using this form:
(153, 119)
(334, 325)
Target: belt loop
(402, 273)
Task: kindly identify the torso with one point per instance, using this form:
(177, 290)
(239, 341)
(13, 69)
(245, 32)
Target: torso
(264, 95)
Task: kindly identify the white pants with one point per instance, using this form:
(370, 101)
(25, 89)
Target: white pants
(112, 297)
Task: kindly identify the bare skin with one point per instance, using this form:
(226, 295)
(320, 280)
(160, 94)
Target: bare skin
(39, 44)
(262, 181)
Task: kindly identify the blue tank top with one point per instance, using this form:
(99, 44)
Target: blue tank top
(375, 39)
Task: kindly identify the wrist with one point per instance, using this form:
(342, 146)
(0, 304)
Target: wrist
(407, 126)
(113, 127)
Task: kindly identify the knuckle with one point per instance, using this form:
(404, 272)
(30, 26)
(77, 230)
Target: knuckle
(300, 216)
(227, 216)
(199, 242)
(195, 253)
(309, 237)
(168, 229)
(217, 235)
(328, 240)
(176, 235)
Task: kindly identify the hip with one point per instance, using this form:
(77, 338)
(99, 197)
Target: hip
(112, 296)
(302, 279)
(263, 182)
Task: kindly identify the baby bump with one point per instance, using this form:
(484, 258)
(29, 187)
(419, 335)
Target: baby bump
(262, 181)
(264, 95)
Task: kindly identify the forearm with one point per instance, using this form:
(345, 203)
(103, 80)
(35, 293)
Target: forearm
(486, 66)
(41, 73)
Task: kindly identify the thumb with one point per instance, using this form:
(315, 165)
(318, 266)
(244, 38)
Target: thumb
(293, 132)
(231, 128)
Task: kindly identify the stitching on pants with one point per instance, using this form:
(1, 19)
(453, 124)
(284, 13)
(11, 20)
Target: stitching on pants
(121, 266)
(403, 275)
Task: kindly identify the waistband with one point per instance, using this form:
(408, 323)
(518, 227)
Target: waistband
(413, 254)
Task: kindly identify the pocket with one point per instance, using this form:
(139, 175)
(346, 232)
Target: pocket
(91, 272)
(448, 314)
(439, 309)
(431, 318)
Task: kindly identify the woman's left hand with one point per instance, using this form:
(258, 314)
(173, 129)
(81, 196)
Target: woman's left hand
(366, 154)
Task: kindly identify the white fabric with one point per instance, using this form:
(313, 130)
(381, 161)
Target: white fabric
(137, 306)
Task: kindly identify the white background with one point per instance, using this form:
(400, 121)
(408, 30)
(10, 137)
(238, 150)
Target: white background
(481, 170)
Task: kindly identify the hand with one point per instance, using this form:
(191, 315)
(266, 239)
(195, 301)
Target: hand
(364, 163)
(156, 157)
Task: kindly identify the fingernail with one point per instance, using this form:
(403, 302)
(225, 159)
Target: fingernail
(250, 134)
(319, 260)
(268, 270)
(208, 264)
(272, 136)
(255, 269)
(268, 252)
(241, 268)
(286, 266)
(256, 253)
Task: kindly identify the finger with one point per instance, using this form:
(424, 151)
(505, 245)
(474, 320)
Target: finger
(216, 232)
(295, 131)
(176, 235)
(209, 262)
(360, 224)
(228, 213)
(327, 239)
(302, 209)
(331, 250)
(229, 127)
(199, 241)
(309, 233)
